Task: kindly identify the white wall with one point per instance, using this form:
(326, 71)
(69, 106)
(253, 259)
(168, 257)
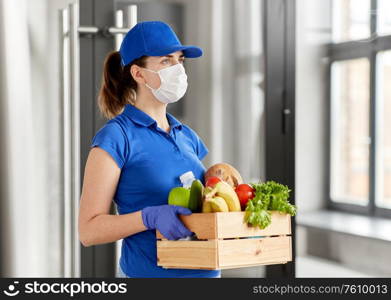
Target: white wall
(31, 138)
(23, 240)
(313, 31)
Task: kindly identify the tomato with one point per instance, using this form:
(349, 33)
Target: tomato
(245, 192)
(212, 181)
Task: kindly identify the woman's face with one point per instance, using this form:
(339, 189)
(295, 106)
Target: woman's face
(157, 63)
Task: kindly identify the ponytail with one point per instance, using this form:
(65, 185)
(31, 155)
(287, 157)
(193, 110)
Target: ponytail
(118, 87)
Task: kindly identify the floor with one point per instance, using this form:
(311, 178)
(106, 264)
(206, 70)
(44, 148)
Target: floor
(310, 266)
(306, 266)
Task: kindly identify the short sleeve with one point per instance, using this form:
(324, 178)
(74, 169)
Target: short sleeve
(201, 148)
(112, 139)
(198, 144)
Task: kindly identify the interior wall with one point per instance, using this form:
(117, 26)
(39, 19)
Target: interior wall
(31, 135)
(18, 140)
(313, 31)
(3, 152)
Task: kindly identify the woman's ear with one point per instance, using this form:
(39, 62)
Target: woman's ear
(135, 72)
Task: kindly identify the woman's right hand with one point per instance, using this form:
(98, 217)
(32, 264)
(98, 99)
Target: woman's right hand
(164, 218)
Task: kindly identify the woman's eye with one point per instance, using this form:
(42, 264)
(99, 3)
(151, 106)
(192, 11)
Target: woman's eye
(164, 61)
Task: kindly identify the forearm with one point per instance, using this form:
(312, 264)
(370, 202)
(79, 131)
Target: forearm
(110, 228)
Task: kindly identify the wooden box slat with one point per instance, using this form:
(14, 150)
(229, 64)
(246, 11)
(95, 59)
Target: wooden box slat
(242, 252)
(224, 254)
(231, 225)
(187, 254)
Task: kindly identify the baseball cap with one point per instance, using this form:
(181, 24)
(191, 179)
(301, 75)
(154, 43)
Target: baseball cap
(153, 38)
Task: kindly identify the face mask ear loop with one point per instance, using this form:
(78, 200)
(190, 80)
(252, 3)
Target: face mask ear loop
(159, 77)
(157, 72)
(146, 84)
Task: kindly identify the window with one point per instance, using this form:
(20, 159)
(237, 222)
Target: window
(350, 20)
(360, 106)
(350, 131)
(383, 17)
(383, 130)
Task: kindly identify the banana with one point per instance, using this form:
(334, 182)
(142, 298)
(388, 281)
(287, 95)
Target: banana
(218, 204)
(207, 190)
(206, 193)
(225, 191)
(207, 207)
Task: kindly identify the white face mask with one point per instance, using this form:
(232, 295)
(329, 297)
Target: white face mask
(173, 84)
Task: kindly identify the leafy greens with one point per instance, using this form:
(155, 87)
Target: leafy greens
(269, 196)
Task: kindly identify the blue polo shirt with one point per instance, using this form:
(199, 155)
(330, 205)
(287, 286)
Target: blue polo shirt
(151, 161)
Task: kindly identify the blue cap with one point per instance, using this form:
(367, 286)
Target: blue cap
(153, 38)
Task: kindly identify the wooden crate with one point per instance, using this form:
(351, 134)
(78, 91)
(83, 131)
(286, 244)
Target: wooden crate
(226, 242)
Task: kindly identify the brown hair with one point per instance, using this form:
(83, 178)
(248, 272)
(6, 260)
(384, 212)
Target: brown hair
(118, 87)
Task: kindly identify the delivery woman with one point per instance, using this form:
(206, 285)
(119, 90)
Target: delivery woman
(137, 157)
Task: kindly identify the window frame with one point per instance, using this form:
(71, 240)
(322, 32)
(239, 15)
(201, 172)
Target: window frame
(365, 48)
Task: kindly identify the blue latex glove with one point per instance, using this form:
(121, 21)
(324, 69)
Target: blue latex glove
(164, 218)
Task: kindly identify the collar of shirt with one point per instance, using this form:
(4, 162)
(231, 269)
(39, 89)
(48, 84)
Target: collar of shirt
(143, 119)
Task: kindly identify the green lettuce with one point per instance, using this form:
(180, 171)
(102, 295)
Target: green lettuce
(269, 196)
